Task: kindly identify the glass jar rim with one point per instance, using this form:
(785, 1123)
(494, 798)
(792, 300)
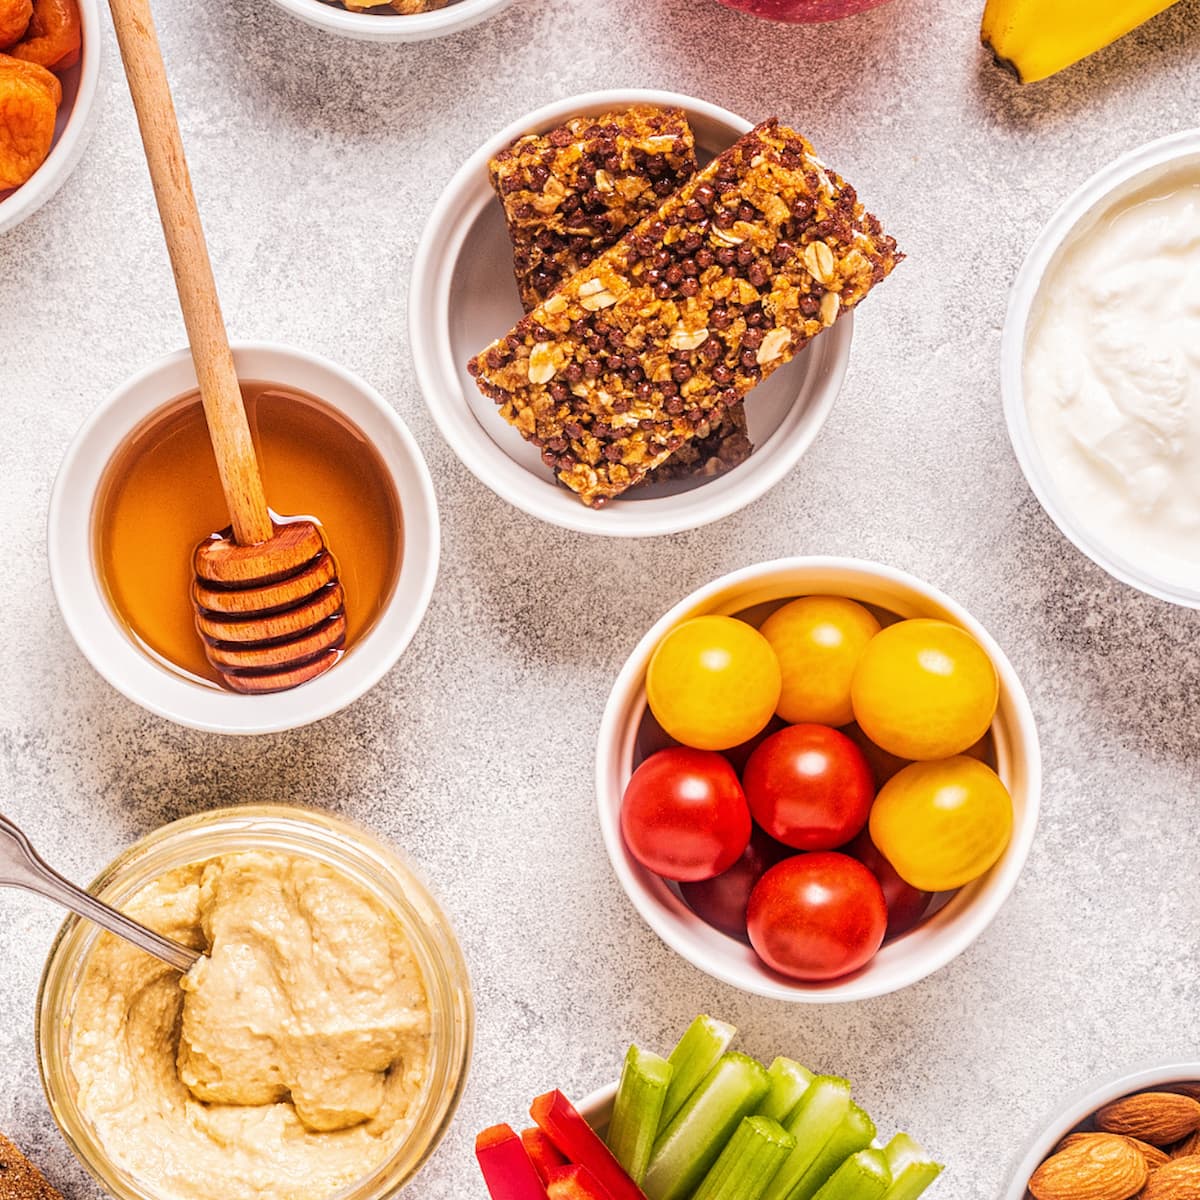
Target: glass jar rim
(384, 872)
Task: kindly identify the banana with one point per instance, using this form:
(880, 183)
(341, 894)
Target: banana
(1036, 38)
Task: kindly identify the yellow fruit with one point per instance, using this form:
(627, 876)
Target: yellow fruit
(1037, 38)
(818, 641)
(924, 689)
(713, 682)
(942, 824)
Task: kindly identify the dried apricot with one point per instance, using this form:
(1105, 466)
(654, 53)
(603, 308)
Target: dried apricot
(14, 20)
(29, 100)
(54, 36)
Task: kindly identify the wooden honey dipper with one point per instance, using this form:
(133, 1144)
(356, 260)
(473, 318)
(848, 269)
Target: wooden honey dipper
(269, 605)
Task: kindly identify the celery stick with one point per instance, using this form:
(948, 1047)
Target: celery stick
(912, 1169)
(853, 1134)
(702, 1044)
(637, 1110)
(789, 1081)
(690, 1144)
(863, 1176)
(821, 1110)
(749, 1161)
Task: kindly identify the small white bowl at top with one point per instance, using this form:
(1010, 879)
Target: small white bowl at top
(71, 130)
(392, 26)
(1075, 1113)
(940, 937)
(463, 296)
(101, 636)
(1080, 212)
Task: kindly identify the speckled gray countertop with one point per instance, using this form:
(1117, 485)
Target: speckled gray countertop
(316, 161)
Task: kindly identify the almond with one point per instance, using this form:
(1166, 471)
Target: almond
(1178, 1180)
(1189, 1146)
(1154, 1157)
(1187, 1089)
(1093, 1168)
(1073, 1139)
(1159, 1118)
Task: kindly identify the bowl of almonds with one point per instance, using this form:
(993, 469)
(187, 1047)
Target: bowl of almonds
(1135, 1136)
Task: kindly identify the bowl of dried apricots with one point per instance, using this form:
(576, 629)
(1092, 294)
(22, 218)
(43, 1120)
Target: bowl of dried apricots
(49, 69)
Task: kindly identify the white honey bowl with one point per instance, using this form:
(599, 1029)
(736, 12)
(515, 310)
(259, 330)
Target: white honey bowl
(105, 641)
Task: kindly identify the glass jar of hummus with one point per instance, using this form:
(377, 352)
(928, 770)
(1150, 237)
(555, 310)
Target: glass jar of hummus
(320, 1048)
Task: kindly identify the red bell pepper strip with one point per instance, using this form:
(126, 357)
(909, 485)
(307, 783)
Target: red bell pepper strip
(574, 1183)
(575, 1138)
(543, 1153)
(507, 1169)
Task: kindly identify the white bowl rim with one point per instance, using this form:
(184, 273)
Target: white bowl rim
(1081, 204)
(378, 27)
(1003, 877)
(597, 1105)
(112, 653)
(65, 153)
(433, 267)
(1085, 1101)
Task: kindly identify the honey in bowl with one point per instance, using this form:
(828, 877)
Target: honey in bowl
(161, 496)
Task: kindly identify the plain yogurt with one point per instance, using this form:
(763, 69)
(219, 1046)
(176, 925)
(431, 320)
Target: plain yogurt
(1112, 379)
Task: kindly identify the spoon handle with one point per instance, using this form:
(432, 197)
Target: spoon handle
(21, 866)
(228, 429)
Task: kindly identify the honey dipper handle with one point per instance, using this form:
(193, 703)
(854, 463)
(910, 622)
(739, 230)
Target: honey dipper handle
(223, 408)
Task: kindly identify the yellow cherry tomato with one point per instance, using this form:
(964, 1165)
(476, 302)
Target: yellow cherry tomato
(924, 689)
(818, 641)
(713, 682)
(942, 824)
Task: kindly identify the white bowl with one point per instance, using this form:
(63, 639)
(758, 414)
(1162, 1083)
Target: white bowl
(1080, 212)
(103, 639)
(463, 296)
(71, 130)
(596, 1107)
(1083, 1104)
(392, 27)
(938, 939)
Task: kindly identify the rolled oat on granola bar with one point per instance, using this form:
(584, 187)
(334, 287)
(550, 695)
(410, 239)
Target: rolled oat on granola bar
(734, 274)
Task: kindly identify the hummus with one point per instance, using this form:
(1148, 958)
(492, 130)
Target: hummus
(287, 1063)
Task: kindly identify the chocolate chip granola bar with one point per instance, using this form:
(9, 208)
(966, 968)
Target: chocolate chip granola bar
(634, 356)
(569, 194)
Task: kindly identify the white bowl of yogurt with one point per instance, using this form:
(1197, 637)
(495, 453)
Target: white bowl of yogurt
(1100, 368)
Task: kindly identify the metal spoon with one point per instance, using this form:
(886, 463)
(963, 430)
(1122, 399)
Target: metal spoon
(21, 866)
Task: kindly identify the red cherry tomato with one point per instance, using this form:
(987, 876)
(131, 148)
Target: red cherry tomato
(722, 900)
(817, 916)
(684, 814)
(905, 904)
(809, 787)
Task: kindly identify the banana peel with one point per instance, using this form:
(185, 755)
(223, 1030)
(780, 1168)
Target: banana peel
(1037, 38)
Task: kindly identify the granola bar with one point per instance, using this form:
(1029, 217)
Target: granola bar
(729, 280)
(569, 194)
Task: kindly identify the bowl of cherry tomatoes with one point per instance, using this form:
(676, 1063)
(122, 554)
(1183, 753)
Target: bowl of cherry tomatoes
(818, 779)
